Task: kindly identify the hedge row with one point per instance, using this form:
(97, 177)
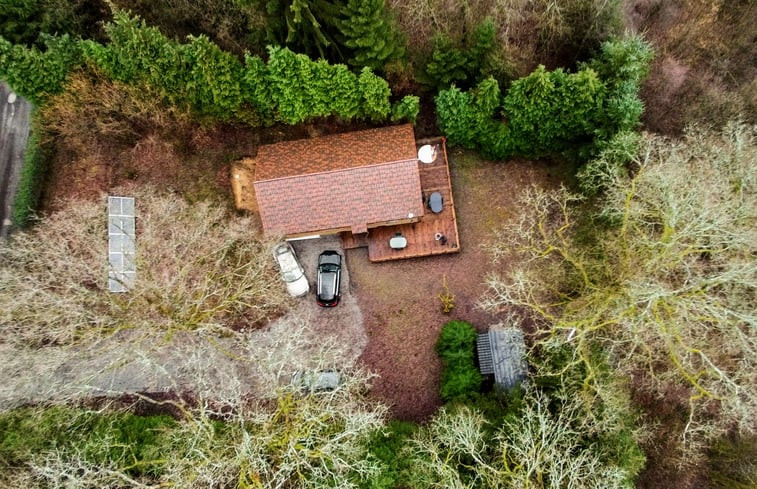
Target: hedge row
(199, 76)
(550, 112)
(31, 180)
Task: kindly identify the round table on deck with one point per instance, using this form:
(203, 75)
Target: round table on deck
(435, 202)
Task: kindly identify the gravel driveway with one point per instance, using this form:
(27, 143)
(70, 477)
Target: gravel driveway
(343, 323)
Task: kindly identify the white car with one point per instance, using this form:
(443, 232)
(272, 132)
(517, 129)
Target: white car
(291, 270)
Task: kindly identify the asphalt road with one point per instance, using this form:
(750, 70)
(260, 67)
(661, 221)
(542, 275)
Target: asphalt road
(14, 132)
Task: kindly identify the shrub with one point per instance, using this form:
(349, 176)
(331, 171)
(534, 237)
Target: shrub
(622, 65)
(456, 339)
(26, 431)
(549, 110)
(460, 65)
(375, 94)
(455, 346)
(386, 445)
(133, 443)
(302, 89)
(459, 381)
(138, 442)
(406, 109)
(33, 73)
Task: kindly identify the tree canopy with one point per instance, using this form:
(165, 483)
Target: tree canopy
(662, 276)
(549, 112)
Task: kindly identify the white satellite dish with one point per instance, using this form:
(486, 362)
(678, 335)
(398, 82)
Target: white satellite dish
(11, 98)
(427, 153)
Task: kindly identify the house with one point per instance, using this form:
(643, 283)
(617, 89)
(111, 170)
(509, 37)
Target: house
(346, 182)
(502, 354)
(368, 186)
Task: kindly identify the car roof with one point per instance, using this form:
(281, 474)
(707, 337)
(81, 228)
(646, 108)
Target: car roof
(331, 257)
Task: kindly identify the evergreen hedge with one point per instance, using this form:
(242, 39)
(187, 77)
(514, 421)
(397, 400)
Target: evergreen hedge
(199, 76)
(456, 347)
(550, 112)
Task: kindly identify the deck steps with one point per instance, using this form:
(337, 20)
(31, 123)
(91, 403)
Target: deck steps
(351, 241)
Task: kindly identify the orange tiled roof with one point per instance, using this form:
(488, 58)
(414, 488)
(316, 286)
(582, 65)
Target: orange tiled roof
(353, 180)
(335, 152)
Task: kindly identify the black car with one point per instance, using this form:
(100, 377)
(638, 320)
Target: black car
(329, 274)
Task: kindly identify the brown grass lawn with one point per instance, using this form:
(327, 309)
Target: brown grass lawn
(399, 300)
(192, 161)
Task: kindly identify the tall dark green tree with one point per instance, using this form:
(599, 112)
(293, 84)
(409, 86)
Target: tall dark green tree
(305, 26)
(368, 31)
(461, 64)
(549, 110)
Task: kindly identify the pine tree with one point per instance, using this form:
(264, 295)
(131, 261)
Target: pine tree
(368, 31)
(304, 26)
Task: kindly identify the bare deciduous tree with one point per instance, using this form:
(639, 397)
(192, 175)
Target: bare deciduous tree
(197, 269)
(280, 437)
(545, 447)
(668, 287)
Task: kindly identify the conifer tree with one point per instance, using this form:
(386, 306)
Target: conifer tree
(368, 31)
(35, 74)
(304, 26)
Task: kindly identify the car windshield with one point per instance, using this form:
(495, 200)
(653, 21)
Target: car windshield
(291, 276)
(290, 269)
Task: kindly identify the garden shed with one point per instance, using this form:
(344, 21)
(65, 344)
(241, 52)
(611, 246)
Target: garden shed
(502, 354)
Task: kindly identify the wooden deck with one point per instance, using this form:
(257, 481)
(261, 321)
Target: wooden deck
(351, 241)
(421, 236)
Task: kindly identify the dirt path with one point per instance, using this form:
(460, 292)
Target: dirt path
(14, 132)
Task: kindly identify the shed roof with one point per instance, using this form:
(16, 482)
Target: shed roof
(346, 181)
(502, 352)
